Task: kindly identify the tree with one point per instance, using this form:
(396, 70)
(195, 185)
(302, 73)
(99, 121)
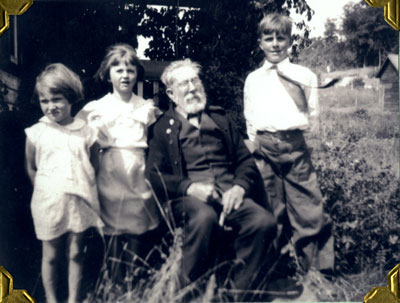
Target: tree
(328, 52)
(222, 36)
(331, 31)
(367, 34)
(75, 34)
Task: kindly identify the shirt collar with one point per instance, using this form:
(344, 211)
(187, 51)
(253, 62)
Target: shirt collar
(283, 63)
(76, 124)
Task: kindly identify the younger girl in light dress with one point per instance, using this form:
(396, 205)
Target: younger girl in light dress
(64, 201)
(121, 119)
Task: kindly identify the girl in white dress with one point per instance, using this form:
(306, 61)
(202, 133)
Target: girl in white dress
(60, 154)
(121, 119)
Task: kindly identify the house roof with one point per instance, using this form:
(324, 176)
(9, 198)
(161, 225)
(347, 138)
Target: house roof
(153, 69)
(392, 59)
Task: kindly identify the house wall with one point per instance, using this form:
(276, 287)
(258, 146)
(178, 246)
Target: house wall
(390, 83)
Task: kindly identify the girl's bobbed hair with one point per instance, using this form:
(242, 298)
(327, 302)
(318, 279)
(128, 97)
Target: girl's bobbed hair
(115, 54)
(59, 79)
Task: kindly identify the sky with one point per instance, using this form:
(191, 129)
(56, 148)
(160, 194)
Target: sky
(325, 9)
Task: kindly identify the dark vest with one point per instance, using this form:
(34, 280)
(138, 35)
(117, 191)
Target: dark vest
(205, 153)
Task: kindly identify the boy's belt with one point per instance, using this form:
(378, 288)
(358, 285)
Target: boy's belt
(282, 133)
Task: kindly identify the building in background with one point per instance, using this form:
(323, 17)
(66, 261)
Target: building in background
(388, 75)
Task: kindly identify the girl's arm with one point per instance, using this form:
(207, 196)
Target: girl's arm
(30, 163)
(94, 156)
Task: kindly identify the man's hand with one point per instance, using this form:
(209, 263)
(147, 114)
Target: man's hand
(203, 191)
(232, 199)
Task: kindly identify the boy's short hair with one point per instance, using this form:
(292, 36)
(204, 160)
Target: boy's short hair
(168, 80)
(59, 79)
(277, 23)
(115, 54)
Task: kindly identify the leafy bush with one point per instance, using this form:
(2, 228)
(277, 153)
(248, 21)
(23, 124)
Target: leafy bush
(363, 204)
(357, 162)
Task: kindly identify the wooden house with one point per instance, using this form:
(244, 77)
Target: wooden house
(388, 75)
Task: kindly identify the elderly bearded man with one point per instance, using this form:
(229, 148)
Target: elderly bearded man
(198, 161)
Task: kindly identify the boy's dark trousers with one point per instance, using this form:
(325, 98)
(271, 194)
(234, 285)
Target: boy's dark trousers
(292, 189)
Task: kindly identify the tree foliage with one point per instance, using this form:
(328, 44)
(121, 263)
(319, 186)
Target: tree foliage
(367, 34)
(75, 34)
(331, 31)
(221, 36)
(364, 39)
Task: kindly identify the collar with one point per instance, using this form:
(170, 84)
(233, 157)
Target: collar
(76, 124)
(284, 63)
(135, 100)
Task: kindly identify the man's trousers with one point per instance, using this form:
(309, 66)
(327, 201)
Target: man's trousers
(253, 230)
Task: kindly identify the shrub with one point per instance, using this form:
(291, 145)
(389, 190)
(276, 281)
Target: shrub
(363, 203)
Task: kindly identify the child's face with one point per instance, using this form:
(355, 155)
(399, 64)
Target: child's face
(123, 77)
(56, 107)
(275, 46)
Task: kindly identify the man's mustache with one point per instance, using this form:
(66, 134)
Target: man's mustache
(198, 96)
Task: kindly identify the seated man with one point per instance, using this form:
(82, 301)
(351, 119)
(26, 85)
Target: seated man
(198, 162)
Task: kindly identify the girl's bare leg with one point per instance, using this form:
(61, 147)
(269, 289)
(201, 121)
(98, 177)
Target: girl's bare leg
(75, 266)
(52, 253)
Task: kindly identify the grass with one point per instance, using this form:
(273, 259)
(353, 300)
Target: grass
(355, 152)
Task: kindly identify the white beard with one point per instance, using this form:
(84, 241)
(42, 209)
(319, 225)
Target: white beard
(195, 106)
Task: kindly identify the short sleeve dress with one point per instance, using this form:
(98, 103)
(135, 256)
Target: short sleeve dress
(126, 202)
(65, 196)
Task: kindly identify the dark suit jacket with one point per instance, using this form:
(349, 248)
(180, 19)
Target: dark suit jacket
(166, 169)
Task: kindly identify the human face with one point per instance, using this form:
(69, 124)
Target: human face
(275, 46)
(123, 77)
(187, 91)
(55, 107)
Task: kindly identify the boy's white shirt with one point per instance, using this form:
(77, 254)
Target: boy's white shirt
(267, 104)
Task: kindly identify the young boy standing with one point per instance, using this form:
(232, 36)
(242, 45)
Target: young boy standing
(280, 103)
